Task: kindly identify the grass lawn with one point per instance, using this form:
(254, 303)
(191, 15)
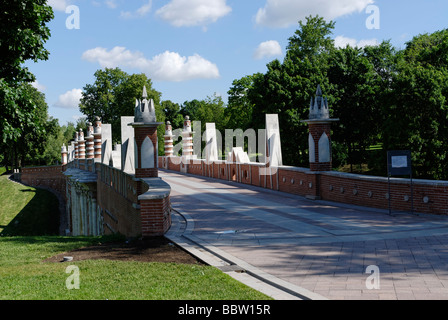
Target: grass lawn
(24, 275)
(27, 211)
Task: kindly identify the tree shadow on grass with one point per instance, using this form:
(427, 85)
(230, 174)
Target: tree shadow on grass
(40, 217)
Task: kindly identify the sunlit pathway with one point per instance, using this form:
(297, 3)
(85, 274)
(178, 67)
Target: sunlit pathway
(323, 247)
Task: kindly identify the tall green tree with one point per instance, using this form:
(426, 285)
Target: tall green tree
(29, 147)
(172, 112)
(417, 118)
(361, 86)
(113, 95)
(100, 98)
(211, 109)
(23, 33)
(287, 86)
(240, 108)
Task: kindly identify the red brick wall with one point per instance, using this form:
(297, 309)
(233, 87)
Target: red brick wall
(48, 177)
(373, 192)
(428, 196)
(155, 217)
(141, 133)
(117, 194)
(316, 130)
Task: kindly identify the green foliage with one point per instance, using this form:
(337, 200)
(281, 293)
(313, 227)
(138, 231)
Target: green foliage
(286, 88)
(113, 95)
(172, 113)
(383, 97)
(418, 113)
(361, 87)
(240, 108)
(23, 32)
(27, 127)
(209, 110)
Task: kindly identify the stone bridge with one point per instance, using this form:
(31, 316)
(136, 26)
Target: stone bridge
(309, 233)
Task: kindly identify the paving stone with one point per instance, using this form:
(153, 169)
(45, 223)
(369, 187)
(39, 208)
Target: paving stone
(324, 247)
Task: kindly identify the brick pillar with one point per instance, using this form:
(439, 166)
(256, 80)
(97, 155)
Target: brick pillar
(155, 216)
(97, 140)
(64, 155)
(90, 152)
(154, 208)
(147, 159)
(81, 145)
(145, 134)
(76, 145)
(187, 138)
(322, 162)
(319, 138)
(169, 151)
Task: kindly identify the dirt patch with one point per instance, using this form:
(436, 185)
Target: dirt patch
(147, 250)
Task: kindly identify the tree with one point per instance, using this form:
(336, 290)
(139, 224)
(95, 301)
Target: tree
(23, 33)
(209, 110)
(418, 110)
(286, 88)
(240, 108)
(30, 145)
(172, 113)
(100, 99)
(113, 95)
(361, 79)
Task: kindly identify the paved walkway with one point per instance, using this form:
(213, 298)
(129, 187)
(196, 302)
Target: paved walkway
(309, 249)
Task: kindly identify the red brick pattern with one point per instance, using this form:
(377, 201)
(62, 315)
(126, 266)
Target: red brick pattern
(48, 177)
(428, 196)
(140, 135)
(316, 130)
(155, 217)
(117, 197)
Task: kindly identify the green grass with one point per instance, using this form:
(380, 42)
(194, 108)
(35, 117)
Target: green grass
(27, 211)
(25, 276)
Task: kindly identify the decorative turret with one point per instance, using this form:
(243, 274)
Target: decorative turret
(97, 139)
(319, 107)
(145, 132)
(168, 139)
(81, 145)
(187, 138)
(76, 145)
(64, 154)
(144, 109)
(319, 139)
(89, 141)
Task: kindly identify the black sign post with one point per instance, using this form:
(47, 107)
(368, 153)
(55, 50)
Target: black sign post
(399, 164)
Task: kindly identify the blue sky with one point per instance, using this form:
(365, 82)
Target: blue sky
(192, 49)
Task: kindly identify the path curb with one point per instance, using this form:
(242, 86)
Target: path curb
(213, 256)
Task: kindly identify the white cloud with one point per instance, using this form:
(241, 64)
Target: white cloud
(167, 66)
(284, 13)
(38, 86)
(140, 12)
(342, 42)
(268, 49)
(69, 100)
(182, 13)
(58, 5)
(111, 4)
